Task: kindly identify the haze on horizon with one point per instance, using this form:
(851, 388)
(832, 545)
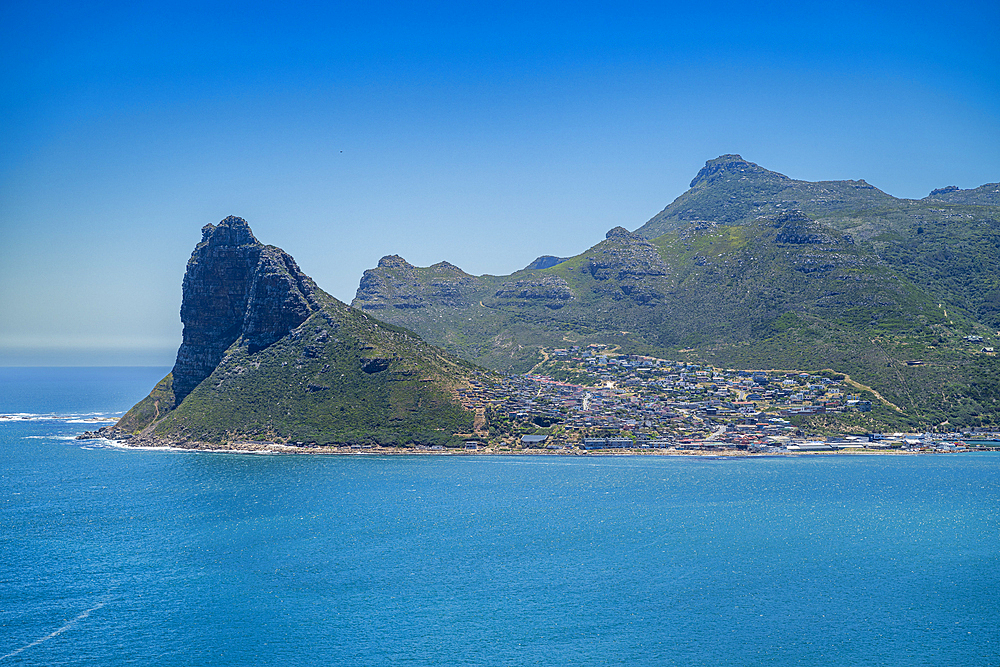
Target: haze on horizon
(481, 136)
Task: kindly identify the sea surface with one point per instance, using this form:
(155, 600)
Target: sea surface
(110, 556)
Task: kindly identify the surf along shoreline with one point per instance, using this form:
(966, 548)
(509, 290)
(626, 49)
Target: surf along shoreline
(269, 448)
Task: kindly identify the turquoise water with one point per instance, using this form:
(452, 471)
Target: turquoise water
(118, 557)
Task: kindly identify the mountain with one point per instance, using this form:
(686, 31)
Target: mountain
(267, 356)
(730, 190)
(751, 269)
(945, 243)
(984, 195)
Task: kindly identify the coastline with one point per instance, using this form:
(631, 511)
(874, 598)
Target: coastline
(278, 449)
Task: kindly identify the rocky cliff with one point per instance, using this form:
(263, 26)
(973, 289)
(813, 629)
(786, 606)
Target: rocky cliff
(267, 356)
(235, 286)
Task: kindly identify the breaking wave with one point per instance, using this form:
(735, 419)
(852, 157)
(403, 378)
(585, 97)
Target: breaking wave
(72, 418)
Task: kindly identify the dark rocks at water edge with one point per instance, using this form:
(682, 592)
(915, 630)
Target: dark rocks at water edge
(269, 356)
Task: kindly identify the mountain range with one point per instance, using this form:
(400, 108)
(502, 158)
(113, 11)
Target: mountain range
(751, 269)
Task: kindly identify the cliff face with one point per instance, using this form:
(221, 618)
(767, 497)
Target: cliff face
(235, 286)
(398, 284)
(625, 255)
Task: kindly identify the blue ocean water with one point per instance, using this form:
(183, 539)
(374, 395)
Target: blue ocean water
(123, 557)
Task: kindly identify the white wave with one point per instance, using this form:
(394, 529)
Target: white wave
(56, 633)
(50, 437)
(72, 418)
(104, 443)
(24, 416)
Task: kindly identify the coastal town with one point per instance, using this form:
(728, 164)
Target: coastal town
(599, 400)
(595, 399)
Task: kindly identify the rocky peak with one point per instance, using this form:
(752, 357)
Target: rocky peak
(447, 267)
(620, 233)
(234, 286)
(730, 167)
(987, 194)
(545, 262)
(394, 261)
(232, 231)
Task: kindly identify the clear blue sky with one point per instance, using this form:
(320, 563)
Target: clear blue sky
(481, 136)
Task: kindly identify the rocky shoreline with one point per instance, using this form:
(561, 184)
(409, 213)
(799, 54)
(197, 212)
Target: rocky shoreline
(270, 448)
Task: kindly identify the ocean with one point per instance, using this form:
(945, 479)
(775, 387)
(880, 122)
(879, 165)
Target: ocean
(110, 556)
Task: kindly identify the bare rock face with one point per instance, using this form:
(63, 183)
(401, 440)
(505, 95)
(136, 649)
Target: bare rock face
(624, 255)
(732, 167)
(281, 298)
(797, 229)
(397, 284)
(551, 291)
(235, 286)
(545, 262)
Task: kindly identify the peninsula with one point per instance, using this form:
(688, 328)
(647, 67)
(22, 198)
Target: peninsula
(269, 357)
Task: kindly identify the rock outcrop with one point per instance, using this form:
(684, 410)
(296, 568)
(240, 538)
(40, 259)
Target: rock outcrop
(794, 227)
(235, 286)
(624, 255)
(545, 262)
(551, 291)
(985, 195)
(398, 285)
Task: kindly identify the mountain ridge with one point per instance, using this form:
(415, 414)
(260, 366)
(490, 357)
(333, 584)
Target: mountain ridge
(749, 267)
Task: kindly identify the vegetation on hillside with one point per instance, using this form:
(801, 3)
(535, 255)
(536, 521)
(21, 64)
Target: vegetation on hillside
(753, 269)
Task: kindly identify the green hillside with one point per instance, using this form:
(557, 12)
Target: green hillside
(751, 269)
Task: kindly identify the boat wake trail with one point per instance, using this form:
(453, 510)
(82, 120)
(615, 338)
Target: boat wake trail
(53, 634)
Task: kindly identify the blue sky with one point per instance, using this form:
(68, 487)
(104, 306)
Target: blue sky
(481, 136)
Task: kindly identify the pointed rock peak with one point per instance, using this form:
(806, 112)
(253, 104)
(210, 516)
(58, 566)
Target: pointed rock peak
(232, 231)
(391, 261)
(446, 266)
(726, 167)
(545, 262)
(620, 233)
(235, 286)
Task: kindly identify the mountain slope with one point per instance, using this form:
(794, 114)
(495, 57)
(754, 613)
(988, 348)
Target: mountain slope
(731, 190)
(268, 356)
(749, 268)
(945, 243)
